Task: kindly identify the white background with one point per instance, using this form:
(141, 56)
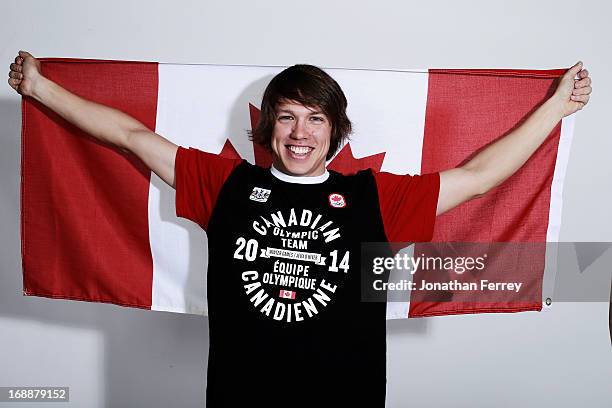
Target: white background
(120, 357)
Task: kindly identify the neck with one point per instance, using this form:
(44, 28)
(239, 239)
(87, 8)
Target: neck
(299, 179)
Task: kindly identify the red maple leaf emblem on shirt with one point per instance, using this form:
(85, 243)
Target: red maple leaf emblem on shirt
(344, 162)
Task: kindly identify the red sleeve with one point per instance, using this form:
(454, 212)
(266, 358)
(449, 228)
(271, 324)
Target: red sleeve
(408, 205)
(198, 178)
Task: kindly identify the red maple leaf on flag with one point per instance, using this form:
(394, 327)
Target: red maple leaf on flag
(229, 151)
(344, 162)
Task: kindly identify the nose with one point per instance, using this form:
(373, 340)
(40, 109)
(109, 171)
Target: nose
(299, 130)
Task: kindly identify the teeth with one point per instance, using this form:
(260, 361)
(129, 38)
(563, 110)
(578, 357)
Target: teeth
(299, 149)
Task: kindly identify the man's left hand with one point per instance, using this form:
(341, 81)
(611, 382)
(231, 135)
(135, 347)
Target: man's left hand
(573, 94)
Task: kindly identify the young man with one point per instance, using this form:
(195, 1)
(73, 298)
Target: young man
(287, 324)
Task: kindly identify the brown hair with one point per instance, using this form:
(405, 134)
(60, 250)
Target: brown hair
(311, 87)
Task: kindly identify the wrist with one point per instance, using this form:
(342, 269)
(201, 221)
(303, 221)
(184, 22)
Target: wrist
(554, 107)
(40, 84)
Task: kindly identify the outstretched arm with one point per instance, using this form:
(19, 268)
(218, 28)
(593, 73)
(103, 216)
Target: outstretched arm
(106, 124)
(501, 159)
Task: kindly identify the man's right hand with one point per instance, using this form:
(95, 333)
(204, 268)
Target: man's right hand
(24, 73)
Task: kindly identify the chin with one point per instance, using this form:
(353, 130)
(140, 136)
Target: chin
(297, 170)
(298, 166)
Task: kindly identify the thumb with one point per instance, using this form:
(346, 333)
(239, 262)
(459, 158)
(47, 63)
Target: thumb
(575, 69)
(24, 54)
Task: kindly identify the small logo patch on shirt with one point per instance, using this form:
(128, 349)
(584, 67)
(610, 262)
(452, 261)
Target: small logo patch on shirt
(260, 194)
(287, 294)
(337, 200)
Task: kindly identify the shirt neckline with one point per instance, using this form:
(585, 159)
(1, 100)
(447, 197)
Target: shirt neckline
(299, 179)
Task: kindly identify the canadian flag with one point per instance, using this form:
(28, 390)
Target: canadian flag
(337, 200)
(98, 225)
(287, 294)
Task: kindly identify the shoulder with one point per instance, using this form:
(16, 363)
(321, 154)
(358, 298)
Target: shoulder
(200, 156)
(353, 178)
(384, 178)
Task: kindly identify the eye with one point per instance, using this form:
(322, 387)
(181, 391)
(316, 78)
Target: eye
(317, 119)
(285, 118)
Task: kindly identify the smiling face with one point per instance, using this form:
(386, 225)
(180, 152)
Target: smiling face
(300, 139)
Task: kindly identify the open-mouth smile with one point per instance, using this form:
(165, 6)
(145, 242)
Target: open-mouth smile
(299, 152)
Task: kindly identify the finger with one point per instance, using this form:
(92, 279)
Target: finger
(15, 67)
(583, 82)
(580, 98)
(18, 60)
(582, 91)
(14, 82)
(17, 75)
(11, 84)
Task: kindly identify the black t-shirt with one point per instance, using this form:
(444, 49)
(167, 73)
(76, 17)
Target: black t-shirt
(286, 320)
